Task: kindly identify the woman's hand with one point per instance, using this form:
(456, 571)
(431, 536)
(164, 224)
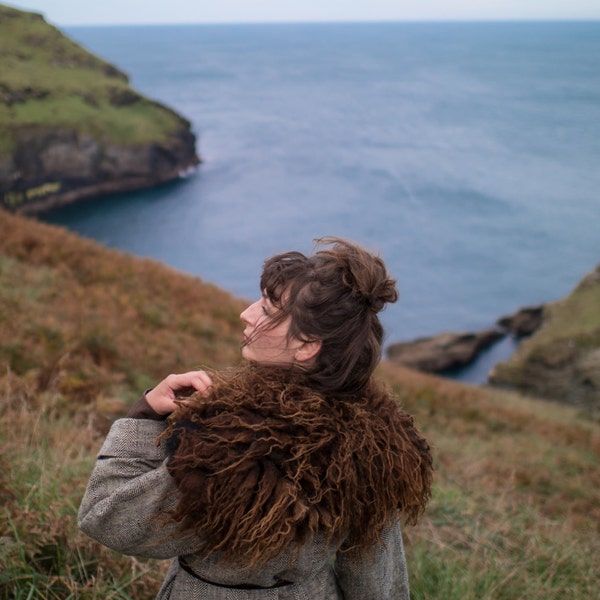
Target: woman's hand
(162, 397)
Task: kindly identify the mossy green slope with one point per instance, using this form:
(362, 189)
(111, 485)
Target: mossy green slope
(61, 101)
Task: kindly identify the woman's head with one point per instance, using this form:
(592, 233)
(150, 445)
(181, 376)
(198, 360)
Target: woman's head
(323, 311)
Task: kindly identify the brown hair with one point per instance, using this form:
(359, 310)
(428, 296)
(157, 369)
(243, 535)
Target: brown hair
(334, 297)
(264, 462)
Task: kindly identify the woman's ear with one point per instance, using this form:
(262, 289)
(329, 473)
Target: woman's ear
(307, 351)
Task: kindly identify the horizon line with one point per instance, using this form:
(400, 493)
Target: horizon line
(336, 22)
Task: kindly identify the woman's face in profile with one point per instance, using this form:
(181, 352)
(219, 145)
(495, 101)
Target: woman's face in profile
(264, 342)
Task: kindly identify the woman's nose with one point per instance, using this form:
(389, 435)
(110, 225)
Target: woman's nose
(247, 314)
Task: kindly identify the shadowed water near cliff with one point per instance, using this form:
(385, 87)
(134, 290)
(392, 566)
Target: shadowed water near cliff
(466, 153)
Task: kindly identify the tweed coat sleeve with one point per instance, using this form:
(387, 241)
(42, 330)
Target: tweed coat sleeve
(129, 488)
(380, 574)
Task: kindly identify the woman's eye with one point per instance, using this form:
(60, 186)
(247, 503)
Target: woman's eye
(265, 310)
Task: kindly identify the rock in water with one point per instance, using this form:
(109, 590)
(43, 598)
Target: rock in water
(71, 126)
(442, 352)
(524, 322)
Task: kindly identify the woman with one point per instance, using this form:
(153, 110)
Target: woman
(283, 479)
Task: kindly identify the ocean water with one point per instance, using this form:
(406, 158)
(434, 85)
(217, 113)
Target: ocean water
(467, 154)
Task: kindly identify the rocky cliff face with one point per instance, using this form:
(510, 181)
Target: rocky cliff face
(71, 127)
(58, 166)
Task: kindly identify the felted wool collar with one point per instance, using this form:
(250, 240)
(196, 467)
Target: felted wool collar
(264, 462)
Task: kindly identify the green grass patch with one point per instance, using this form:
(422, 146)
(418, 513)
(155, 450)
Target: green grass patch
(501, 551)
(132, 125)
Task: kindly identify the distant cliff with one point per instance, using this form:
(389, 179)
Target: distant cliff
(71, 126)
(562, 359)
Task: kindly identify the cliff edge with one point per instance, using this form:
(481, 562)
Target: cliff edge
(72, 127)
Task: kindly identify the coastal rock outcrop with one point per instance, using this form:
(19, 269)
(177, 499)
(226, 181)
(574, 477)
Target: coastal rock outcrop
(523, 322)
(442, 352)
(561, 361)
(72, 127)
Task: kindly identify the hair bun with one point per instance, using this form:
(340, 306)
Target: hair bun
(385, 293)
(363, 272)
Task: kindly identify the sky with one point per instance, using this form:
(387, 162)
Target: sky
(113, 12)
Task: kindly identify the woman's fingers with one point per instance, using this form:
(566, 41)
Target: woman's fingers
(191, 381)
(162, 397)
(201, 381)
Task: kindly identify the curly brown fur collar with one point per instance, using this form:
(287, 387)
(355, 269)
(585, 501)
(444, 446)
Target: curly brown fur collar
(264, 462)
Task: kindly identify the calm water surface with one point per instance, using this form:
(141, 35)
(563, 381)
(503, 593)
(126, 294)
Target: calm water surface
(467, 154)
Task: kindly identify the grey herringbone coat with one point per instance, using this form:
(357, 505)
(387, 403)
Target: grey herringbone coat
(130, 486)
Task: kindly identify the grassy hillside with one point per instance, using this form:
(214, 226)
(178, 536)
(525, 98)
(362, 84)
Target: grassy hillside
(83, 330)
(47, 79)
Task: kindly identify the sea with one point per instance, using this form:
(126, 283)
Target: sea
(466, 154)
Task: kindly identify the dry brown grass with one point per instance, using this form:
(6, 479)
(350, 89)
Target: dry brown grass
(83, 330)
(93, 324)
(47, 457)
